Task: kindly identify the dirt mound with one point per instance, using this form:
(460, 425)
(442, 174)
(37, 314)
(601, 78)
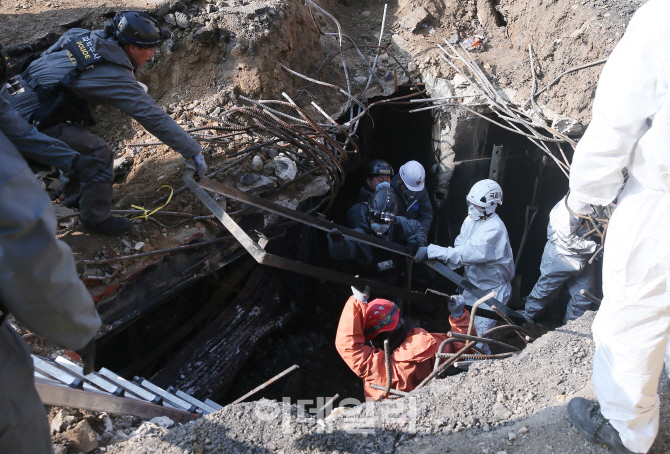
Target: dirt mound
(513, 405)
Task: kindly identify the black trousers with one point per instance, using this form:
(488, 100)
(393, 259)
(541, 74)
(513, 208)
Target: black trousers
(94, 199)
(24, 428)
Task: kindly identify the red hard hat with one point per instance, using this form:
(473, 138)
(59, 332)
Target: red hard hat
(380, 316)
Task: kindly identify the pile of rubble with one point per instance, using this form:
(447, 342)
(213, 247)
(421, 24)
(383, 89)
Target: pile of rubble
(75, 431)
(512, 405)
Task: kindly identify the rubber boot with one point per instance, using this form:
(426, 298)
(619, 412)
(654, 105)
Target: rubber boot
(111, 226)
(590, 422)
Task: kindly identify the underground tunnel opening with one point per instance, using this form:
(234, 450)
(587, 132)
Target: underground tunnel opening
(306, 335)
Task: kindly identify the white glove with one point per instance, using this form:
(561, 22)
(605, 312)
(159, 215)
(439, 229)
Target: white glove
(361, 295)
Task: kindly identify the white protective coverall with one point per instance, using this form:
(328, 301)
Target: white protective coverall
(631, 128)
(564, 261)
(483, 249)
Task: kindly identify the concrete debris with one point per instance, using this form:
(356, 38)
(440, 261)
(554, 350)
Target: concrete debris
(162, 421)
(257, 164)
(414, 19)
(170, 19)
(257, 183)
(83, 437)
(181, 19)
(122, 165)
(285, 169)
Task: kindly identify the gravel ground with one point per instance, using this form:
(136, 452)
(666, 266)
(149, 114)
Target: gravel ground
(512, 405)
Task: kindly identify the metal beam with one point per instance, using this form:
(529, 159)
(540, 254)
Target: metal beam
(263, 257)
(69, 397)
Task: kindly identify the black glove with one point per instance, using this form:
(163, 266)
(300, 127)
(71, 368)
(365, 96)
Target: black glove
(335, 235)
(91, 169)
(87, 353)
(413, 246)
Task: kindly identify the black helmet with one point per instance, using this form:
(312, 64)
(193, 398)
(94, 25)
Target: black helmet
(4, 64)
(137, 28)
(383, 205)
(378, 167)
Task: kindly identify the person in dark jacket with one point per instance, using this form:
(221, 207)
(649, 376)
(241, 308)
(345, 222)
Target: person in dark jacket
(39, 286)
(413, 199)
(374, 263)
(377, 172)
(96, 66)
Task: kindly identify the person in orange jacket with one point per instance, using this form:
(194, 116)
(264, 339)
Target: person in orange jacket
(413, 351)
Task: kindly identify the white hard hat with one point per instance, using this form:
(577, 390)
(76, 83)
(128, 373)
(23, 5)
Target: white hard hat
(485, 194)
(413, 175)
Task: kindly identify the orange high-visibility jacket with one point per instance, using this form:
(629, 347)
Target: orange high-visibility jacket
(411, 362)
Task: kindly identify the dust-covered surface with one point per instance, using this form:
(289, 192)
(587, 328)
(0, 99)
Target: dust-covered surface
(512, 405)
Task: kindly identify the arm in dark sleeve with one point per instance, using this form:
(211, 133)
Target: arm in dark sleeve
(39, 285)
(413, 231)
(356, 215)
(117, 86)
(425, 210)
(348, 249)
(32, 143)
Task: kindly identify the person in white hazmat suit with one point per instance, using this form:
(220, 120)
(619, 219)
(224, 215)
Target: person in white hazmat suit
(564, 262)
(482, 248)
(630, 128)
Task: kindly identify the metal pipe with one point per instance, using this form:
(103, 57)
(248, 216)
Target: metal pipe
(474, 309)
(264, 385)
(591, 297)
(482, 340)
(326, 405)
(391, 391)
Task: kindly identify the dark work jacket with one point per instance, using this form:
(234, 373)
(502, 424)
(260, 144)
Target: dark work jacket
(417, 207)
(374, 263)
(111, 83)
(358, 213)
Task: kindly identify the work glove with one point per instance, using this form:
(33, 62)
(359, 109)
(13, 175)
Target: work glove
(90, 168)
(456, 305)
(421, 254)
(335, 235)
(87, 353)
(361, 295)
(413, 247)
(200, 165)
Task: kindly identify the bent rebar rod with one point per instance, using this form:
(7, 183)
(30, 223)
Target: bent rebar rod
(483, 340)
(474, 310)
(389, 377)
